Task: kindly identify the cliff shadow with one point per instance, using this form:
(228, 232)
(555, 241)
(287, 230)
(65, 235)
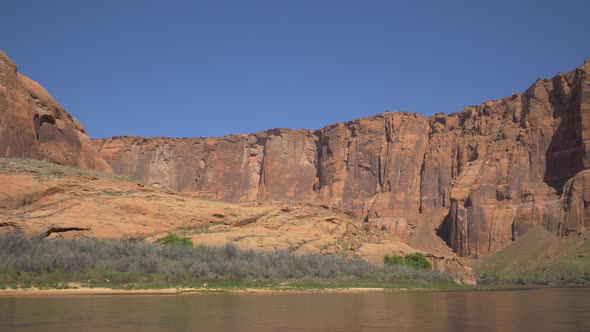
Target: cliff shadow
(443, 231)
(565, 154)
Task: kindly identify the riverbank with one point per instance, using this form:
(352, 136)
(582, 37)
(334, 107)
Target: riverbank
(244, 289)
(75, 289)
(85, 291)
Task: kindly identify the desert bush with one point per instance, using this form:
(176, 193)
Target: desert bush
(393, 260)
(136, 261)
(175, 240)
(415, 261)
(418, 261)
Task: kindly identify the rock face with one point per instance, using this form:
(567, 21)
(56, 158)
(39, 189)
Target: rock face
(498, 168)
(33, 125)
(371, 166)
(513, 158)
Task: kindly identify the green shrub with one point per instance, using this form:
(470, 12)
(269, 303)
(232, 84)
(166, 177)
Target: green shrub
(393, 260)
(416, 261)
(175, 240)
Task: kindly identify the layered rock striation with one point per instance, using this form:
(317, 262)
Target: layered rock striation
(497, 168)
(34, 125)
(371, 166)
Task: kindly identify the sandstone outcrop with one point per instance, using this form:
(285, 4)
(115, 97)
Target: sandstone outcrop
(498, 168)
(34, 125)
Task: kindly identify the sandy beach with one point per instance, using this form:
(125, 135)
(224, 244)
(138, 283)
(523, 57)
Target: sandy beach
(87, 291)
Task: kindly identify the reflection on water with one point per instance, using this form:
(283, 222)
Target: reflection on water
(530, 310)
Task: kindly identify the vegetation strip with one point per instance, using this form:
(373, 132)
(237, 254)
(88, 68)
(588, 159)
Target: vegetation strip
(174, 263)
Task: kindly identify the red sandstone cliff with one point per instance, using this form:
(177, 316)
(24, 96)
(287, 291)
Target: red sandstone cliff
(371, 166)
(33, 125)
(510, 163)
(497, 168)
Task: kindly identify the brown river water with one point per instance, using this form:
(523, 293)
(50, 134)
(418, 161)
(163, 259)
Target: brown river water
(523, 310)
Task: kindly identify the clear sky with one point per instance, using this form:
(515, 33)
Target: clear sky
(211, 68)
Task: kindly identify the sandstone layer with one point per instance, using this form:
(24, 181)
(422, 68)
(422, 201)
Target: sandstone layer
(34, 125)
(496, 169)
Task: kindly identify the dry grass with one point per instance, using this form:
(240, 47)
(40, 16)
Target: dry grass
(26, 260)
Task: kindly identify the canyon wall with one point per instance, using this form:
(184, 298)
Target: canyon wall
(370, 166)
(34, 125)
(497, 168)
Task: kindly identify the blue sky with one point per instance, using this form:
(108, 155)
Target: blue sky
(211, 68)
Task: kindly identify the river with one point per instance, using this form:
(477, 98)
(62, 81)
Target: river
(523, 310)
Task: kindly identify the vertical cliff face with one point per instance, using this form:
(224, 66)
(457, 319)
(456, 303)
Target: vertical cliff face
(372, 166)
(497, 168)
(360, 165)
(572, 213)
(33, 125)
(509, 163)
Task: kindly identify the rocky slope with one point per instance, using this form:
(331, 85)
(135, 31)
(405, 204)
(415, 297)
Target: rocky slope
(37, 196)
(33, 125)
(496, 169)
(538, 257)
